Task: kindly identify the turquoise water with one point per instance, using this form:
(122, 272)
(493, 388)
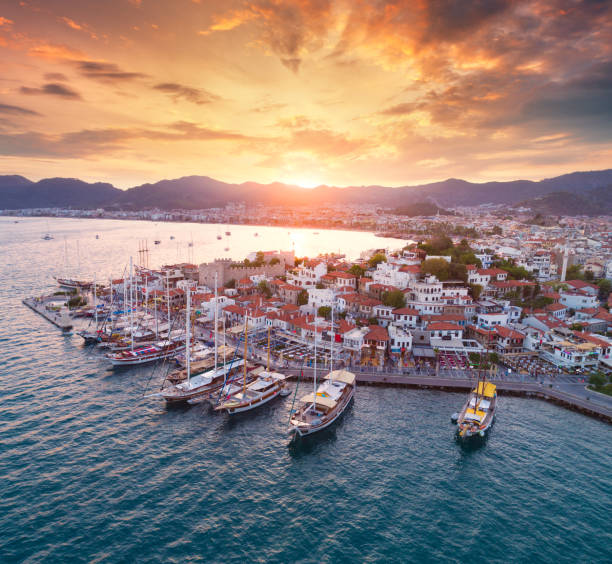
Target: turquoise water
(91, 471)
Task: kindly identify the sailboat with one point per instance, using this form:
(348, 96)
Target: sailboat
(478, 413)
(326, 403)
(265, 387)
(47, 236)
(202, 385)
(71, 283)
(92, 337)
(145, 353)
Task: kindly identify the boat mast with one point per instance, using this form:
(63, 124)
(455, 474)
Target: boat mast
(168, 299)
(215, 321)
(224, 349)
(268, 366)
(131, 306)
(314, 390)
(333, 336)
(188, 334)
(246, 336)
(65, 257)
(155, 313)
(95, 303)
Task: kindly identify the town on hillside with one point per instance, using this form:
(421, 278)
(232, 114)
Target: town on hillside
(534, 302)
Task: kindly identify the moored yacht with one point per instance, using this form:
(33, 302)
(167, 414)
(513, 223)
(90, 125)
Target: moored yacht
(320, 409)
(146, 353)
(74, 284)
(478, 413)
(246, 396)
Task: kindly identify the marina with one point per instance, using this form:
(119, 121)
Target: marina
(75, 427)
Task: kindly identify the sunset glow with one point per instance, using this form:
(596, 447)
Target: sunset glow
(305, 91)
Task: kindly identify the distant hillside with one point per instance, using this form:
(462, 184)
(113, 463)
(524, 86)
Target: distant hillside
(597, 201)
(200, 192)
(16, 192)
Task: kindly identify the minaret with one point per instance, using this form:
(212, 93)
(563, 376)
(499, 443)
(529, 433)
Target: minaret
(564, 267)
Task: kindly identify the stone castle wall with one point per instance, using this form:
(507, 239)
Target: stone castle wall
(223, 268)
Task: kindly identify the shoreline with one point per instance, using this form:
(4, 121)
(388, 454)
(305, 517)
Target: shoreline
(377, 233)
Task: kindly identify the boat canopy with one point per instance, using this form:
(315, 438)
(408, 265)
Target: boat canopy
(485, 389)
(342, 376)
(326, 402)
(484, 404)
(477, 415)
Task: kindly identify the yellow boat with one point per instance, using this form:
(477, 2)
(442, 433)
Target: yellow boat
(477, 415)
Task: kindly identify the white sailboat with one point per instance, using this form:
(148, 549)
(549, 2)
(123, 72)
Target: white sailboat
(326, 403)
(201, 386)
(265, 387)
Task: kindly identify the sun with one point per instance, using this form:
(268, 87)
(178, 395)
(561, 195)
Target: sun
(304, 181)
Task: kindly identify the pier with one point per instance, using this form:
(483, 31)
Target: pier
(543, 391)
(59, 318)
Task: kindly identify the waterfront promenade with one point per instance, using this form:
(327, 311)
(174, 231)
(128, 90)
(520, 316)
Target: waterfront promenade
(571, 395)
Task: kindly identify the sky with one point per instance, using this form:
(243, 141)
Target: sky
(305, 91)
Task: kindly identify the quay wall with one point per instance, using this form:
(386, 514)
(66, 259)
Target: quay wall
(524, 389)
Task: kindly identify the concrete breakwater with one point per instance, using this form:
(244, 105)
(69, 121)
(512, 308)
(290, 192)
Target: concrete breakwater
(59, 317)
(542, 391)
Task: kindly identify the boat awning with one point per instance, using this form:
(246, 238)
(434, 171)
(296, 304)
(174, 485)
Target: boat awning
(478, 415)
(326, 402)
(341, 376)
(485, 389)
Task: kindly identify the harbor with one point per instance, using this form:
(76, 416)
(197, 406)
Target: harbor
(107, 466)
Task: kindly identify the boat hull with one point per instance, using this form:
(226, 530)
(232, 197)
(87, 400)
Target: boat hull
(307, 430)
(145, 359)
(241, 408)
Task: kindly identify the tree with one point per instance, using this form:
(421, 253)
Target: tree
(373, 321)
(319, 286)
(77, 301)
(475, 290)
(302, 298)
(264, 288)
(574, 272)
(474, 358)
(274, 260)
(356, 270)
(376, 259)
(597, 379)
(438, 267)
(324, 311)
(589, 276)
(259, 258)
(605, 287)
(494, 358)
(231, 283)
(394, 298)
(440, 244)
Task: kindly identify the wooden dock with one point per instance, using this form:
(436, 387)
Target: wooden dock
(60, 318)
(513, 388)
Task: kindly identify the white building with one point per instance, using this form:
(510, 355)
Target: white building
(307, 275)
(578, 300)
(400, 341)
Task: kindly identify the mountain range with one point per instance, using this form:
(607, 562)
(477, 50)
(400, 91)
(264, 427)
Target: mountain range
(200, 192)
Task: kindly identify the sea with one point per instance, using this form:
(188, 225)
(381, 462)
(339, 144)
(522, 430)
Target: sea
(91, 470)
